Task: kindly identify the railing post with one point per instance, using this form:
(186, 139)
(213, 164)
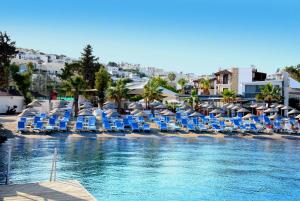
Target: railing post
(53, 168)
(8, 166)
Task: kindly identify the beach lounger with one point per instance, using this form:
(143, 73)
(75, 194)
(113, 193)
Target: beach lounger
(288, 128)
(166, 119)
(195, 121)
(24, 119)
(92, 124)
(146, 128)
(253, 128)
(202, 127)
(62, 126)
(21, 126)
(126, 123)
(184, 123)
(135, 127)
(119, 126)
(79, 126)
(163, 126)
(191, 127)
(216, 128)
(106, 126)
(140, 120)
(43, 116)
(151, 117)
(80, 119)
(178, 116)
(225, 127)
(38, 126)
(277, 126)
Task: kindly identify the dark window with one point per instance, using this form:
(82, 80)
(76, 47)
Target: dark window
(225, 79)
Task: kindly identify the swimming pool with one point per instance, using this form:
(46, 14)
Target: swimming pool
(165, 168)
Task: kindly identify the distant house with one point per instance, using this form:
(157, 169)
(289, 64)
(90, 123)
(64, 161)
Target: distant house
(290, 88)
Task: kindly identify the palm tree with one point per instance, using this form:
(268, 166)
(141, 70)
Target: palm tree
(171, 76)
(269, 93)
(228, 95)
(193, 99)
(205, 86)
(73, 86)
(182, 83)
(117, 92)
(152, 92)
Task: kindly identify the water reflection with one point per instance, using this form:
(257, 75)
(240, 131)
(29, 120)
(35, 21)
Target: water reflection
(167, 168)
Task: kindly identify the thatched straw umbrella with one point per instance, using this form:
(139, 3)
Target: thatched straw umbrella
(85, 112)
(248, 116)
(28, 112)
(298, 116)
(215, 111)
(243, 111)
(140, 114)
(35, 103)
(135, 111)
(263, 107)
(196, 114)
(293, 112)
(168, 113)
(274, 116)
(113, 114)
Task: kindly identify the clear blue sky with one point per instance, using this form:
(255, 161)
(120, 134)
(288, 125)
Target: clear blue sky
(183, 35)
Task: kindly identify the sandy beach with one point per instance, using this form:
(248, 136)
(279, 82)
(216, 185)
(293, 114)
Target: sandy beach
(10, 121)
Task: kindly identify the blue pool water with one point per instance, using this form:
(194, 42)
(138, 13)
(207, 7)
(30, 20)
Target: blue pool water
(167, 168)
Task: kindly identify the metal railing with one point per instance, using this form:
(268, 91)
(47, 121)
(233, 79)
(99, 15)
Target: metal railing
(6, 164)
(53, 167)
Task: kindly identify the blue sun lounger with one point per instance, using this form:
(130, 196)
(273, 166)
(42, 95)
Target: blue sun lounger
(202, 127)
(79, 126)
(38, 126)
(184, 123)
(277, 126)
(146, 128)
(21, 126)
(253, 128)
(163, 126)
(135, 127)
(119, 126)
(225, 127)
(92, 124)
(191, 127)
(62, 126)
(216, 128)
(106, 126)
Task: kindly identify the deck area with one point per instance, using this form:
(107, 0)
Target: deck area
(58, 190)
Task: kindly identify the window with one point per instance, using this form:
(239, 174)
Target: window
(225, 79)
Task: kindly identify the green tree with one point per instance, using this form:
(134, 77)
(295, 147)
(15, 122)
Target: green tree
(193, 100)
(163, 83)
(7, 51)
(89, 65)
(182, 82)
(101, 84)
(205, 86)
(117, 91)
(269, 93)
(294, 71)
(228, 95)
(73, 86)
(171, 76)
(152, 92)
(22, 80)
(113, 64)
(69, 70)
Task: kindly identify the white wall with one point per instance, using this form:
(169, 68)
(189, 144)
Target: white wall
(245, 75)
(6, 101)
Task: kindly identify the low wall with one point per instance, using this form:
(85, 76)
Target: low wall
(6, 101)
